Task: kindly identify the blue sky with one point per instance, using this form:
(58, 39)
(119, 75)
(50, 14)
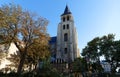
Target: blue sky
(92, 17)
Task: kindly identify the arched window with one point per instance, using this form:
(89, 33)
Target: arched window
(68, 18)
(63, 26)
(67, 26)
(65, 50)
(65, 37)
(63, 19)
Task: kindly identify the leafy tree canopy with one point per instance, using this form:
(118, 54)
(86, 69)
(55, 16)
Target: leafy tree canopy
(26, 30)
(105, 46)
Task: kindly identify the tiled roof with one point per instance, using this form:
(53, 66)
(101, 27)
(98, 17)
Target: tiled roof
(53, 40)
(66, 11)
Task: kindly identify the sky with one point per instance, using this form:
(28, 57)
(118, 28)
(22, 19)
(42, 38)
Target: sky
(93, 18)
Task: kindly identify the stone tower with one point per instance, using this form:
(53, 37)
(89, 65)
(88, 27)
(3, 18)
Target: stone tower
(67, 42)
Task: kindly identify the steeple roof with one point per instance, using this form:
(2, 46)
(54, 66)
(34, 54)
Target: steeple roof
(66, 11)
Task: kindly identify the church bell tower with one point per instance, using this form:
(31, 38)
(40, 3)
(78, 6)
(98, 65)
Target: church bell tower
(67, 42)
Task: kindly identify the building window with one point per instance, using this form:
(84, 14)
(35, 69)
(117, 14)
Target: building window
(65, 37)
(63, 26)
(65, 50)
(67, 26)
(63, 19)
(68, 18)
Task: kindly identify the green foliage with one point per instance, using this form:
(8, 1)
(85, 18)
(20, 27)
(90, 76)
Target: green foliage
(107, 46)
(96, 67)
(110, 49)
(91, 51)
(80, 65)
(47, 70)
(103, 46)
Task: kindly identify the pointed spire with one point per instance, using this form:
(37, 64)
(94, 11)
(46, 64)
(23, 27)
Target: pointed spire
(66, 11)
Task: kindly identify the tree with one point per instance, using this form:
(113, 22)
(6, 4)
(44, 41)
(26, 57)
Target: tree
(103, 46)
(107, 46)
(80, 66)
(108, 49)
(97, 67)
(37, 52)
(91, 51)
(23, 29)
(47, 70)
(117, 54)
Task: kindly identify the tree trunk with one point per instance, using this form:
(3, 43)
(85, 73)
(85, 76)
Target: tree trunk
(35, 66)
(21, 63)
(30, 67)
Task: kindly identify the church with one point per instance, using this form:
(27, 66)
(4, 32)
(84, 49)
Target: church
(64, 46)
